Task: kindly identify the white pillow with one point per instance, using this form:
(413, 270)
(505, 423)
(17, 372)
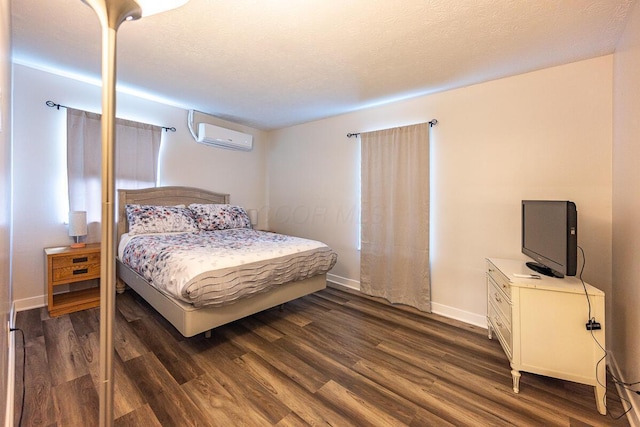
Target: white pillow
(145, 219)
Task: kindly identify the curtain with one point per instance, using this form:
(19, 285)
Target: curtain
(394, 256)
(137, 150)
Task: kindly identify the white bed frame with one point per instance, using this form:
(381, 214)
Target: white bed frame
(186, 318)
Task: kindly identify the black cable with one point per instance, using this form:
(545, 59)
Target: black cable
(592, 320)
(627, 385)
(615, 380)
(584, 261)
(24, 368)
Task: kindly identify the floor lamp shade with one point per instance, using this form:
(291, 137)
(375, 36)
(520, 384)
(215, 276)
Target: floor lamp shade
(77, 227)
(253, 216)
(151, 7)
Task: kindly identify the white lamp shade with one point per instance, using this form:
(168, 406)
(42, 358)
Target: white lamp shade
(253, 216)
(151, 7)
(77, 223)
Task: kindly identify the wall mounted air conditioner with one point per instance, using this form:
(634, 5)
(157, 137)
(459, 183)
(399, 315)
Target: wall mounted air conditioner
(216, 136)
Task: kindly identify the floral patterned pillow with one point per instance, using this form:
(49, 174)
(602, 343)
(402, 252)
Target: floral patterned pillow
(145, 219)
(220, 216)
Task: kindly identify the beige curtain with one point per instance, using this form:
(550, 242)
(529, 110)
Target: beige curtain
(394, 257)
(137, 150)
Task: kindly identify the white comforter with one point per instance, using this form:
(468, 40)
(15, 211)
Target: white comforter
(219, 267)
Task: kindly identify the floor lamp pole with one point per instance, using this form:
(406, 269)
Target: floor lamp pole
(111, 14)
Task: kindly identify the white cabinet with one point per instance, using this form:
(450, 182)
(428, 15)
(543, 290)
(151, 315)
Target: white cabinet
(541, 324)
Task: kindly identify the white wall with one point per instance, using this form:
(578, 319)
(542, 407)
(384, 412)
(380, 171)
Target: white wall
(40, 207)
(545, 134)
(626, 206)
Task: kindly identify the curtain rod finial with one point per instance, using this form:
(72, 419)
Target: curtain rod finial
(53, 104)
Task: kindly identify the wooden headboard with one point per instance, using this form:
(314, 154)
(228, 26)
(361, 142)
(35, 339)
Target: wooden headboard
(162, 196)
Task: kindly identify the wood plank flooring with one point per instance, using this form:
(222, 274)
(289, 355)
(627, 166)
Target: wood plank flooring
(332, 358)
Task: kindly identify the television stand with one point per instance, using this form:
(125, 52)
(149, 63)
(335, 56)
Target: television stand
(541, 325)
(543, 269)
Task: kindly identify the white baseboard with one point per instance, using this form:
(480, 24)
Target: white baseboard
(461, 315)
(343, 281)
(11, 370)
(633, 416)
(440, 309)
(29, 303)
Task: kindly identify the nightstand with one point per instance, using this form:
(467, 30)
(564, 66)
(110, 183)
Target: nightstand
(65, 265)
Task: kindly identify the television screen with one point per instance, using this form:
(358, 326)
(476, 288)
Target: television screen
(550, 236)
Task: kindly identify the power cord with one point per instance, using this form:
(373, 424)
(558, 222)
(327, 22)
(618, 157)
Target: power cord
(592, 321)
(24, 368)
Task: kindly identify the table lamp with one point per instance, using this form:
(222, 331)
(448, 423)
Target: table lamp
(78, 228)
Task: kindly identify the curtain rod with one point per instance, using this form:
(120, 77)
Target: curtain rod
(59, 106)
(432, 123)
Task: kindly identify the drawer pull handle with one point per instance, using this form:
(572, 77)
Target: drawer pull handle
(498, 323)
(83, 259)
(81, 271)
(497, 297)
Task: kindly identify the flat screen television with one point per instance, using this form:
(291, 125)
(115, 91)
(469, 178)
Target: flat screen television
(550, 236)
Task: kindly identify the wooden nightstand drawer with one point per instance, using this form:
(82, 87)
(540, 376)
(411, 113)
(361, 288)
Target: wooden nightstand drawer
(74, 260)
(65, 265)
(75, 267)
(74, 273)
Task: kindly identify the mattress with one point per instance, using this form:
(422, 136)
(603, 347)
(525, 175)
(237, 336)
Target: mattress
(209, 268)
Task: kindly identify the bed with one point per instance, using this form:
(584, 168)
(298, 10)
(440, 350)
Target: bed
(188, 318)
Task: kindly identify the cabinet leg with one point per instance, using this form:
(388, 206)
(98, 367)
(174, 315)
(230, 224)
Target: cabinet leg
(516, 380)
(600, 393)
(120, 286)
(489, 331)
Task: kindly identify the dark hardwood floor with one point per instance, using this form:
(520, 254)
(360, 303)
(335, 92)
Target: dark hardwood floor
(332, 358)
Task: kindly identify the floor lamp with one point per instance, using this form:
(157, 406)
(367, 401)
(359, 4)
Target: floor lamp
(112, 13)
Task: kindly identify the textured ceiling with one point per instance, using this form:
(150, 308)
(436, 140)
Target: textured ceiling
(271, 64)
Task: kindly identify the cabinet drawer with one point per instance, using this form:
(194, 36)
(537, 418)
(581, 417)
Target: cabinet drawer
(496, 295)
(500, 279)
(75, 260)
(502, 328)
(74, 273)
